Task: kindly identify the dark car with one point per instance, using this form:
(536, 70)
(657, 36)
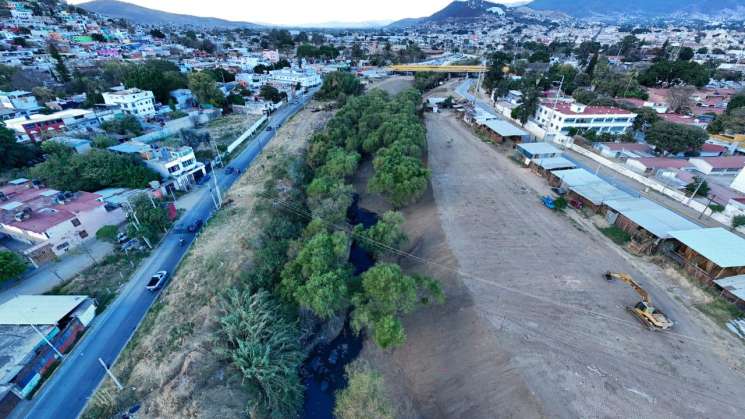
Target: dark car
(269, 128)
(229, 170)
(195, 226)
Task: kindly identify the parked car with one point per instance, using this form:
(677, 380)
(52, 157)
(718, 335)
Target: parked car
(269, 128)
(195, 226)
(229, 170)
(121, 237)
(132, 244)
(156, 281)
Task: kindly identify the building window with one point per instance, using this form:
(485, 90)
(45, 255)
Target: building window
(64, 245)
(75, 222)
(83, 234)
(174, 169)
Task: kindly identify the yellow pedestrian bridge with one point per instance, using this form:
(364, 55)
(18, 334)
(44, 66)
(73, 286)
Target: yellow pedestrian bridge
(422, 68)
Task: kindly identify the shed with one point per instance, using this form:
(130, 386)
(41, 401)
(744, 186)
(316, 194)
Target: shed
(572, 177)
(500, 130)
(593, 195)
(642, 218)
(552, 163)
(714, 252)
(538, 150)
(733, 288)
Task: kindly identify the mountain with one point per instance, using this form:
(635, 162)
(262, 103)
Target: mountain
(144, 16)
(459, 9)
(640, 8)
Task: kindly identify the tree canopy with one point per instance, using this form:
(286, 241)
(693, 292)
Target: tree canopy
(11, 265)
(205, 89)
(159, 76)
(339, 83)
(14, 154)
(676, 138)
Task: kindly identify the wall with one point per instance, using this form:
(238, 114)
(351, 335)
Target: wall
(250, 131)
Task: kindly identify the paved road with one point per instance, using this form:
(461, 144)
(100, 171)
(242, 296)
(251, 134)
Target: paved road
(462, 90)
(68, 390)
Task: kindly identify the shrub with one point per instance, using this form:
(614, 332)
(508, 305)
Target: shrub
(738, 221)
(365, 395)
(11, 265)
(107, 233)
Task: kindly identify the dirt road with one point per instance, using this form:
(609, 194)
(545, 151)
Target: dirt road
(558, 333)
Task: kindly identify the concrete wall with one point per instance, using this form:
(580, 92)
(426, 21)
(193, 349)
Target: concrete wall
(246, 134)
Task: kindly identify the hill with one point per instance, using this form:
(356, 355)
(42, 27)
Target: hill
(459, 9)
(146, 16)
(639, 8)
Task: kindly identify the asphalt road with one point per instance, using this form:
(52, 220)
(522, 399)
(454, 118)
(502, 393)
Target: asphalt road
(462, 90)
(74, 382)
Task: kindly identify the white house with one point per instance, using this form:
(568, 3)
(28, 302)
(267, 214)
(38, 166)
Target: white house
(133, 101)
(178, 164)
(558, 117)
(19, 100)
(306, 78)
(718, 165)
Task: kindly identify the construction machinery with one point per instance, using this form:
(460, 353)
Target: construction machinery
(653, 318)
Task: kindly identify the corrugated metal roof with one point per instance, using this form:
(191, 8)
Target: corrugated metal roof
(504, 128)
(733, 284)
(630, 204)
(38, 309)
(599, 192)
(659, 221)
(576, 177)
(539, 148)
(551, 163)
(720, 246)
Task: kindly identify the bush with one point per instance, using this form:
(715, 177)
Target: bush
(616, 234)
(338, 83)
(11, 265)
(365, 395)
(107, 233)
(738, 221)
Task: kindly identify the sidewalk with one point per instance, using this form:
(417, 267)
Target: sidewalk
(49, 275)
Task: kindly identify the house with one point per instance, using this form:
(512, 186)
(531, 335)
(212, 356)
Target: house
(19, 100)
(305, 78)
(140, 103)
(51, 222)
(531, 151)
(738, 183)
(183, 98)
(623, 150)
(39, 127)
(560, 116)
(712, 150)
(78, 145)
(718, 165)
(29, 326)
(655, 165)
(178, 165)
(709, 253)
(500, 131)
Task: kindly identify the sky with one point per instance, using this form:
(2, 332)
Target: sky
(298, 12)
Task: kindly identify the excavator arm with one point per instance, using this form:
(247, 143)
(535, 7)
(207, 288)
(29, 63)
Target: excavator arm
(633, 284)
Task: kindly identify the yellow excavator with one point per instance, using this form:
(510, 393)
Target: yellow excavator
(654, 319)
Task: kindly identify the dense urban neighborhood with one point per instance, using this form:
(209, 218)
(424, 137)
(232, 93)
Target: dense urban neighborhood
(521, 210)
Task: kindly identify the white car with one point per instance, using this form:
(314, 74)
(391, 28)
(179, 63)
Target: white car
(157, 280)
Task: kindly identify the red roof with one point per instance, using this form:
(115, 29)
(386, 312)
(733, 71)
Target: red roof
(664, 163)
(566, 109)
(729, 162)
(715, 148)
(45, 212)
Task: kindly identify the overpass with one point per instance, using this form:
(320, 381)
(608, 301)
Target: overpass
(431, 68)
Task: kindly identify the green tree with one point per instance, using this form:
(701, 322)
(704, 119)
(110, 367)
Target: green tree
(365, 395)
(385, 235)
(736, 101)
(738, 221)
(401, 178)
(337, 83)
(124, 125)
(698, 186)
(387, 293)
(673, 72)
(157, 33)
(685, 54)
(675, 138)
(205, 90)
(11, 265)
(12, 153)
(152, 220)
(317, 278)
(62, 72)
(270, 93)
(264, 345)
(159, 76)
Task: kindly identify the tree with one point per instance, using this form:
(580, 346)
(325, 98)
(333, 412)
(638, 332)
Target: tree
(264, 345)
(124, 125)
(675, 72)
(399, 176)
(385, 235)
(157, 33)
(270, 93)
(645, 117)
(679, 98)
(685, 54)
(337, 83)
(365, 395)
(736, 101)
(738, 221)
(98, 37)
(11, 265)
(152, 220)
(675, 138)
(317, 278)
(159, 76)
(14, 154)
(387, 293)
(107, 233)
(43, 94)
(62, 72)
(699, 187)
(204, 88)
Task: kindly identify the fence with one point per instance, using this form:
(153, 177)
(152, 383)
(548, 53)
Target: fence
(247, 134)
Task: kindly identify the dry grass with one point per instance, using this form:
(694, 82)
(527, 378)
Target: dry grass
(170, 367)
(226, 129)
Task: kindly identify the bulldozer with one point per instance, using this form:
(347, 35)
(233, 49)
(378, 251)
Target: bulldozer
(651, 317)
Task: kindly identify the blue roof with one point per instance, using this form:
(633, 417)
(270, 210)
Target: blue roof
(539, 148)
(128, 147)
(659, 221)
(551, 163)
(599, 192)
(576, 177)
(504, 128)
(720, 246)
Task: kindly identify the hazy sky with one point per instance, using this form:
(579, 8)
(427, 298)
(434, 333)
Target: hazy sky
(296, 12)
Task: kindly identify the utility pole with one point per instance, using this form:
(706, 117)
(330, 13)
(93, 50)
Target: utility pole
(47, 341)
(217, 189)
(558, 92)
(711, 198)
(696, 190)
(110, 374)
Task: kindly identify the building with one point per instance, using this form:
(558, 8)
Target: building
(140, 103)
(733, 289)
(709, 253)
(183, 98)
(738, 183)
(500, 131)
(78, 145)
(655, 165)
(51, 222)
(532, 151)
(40, 127)
(305, 78)
(19, 100)
(25, 356)
(559, 117)
(644, 220)
(177, 165)
(623, 150)
(718, 165)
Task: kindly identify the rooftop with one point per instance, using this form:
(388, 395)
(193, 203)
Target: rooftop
(539, 148)
(628, 147)
(733, 284)
(720, 246)
(664, 163)
(38, 309)
(566, 109)
(576, 177)
(504, 128)
(552, 163)
(728, 162)
(599, 192)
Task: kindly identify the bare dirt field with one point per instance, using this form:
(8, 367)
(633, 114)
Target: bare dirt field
(171, 367)
(393, 85)
(530, 327)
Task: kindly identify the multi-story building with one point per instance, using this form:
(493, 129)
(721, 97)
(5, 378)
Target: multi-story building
(177, 166)
(560, 116)
(307, 78)
(133, 101)
(49, 221)
(40, 127)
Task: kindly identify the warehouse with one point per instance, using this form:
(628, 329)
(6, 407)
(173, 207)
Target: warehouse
(709, 253)
(645, 220)
(26, 356)
(500, 131)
